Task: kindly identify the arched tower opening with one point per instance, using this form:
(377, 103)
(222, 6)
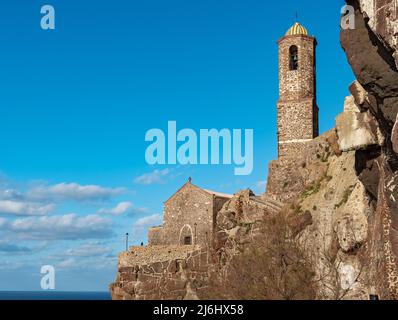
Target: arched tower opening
(293, 58)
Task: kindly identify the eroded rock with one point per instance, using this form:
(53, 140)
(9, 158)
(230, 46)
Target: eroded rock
(371, 49)
(394, 136)
(351, 224)
(356, 130)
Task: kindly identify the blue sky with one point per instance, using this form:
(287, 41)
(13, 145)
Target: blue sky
(76, 102)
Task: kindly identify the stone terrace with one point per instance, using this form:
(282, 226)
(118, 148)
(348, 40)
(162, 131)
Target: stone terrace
(152, 254)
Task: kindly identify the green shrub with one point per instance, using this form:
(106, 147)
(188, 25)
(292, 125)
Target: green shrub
(346, 195)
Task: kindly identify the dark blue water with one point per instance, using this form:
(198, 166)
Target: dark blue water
(53, 295)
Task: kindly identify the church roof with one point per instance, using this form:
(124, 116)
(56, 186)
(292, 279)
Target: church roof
(297, 29)
(219, 194)
(206, 191)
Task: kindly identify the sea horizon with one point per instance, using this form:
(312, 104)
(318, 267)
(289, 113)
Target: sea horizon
(54, 295)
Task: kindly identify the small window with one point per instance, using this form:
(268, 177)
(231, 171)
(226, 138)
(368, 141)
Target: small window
(294, 61)
(188, 241)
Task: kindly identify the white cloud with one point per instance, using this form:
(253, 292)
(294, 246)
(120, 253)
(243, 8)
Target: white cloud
(11, 194)
(92, 249)
(121, 208)
(141, 226)
(8, 246)
(89, 263)
(25, 208)
(67, 263)
(148, 221)
(74, 191)
(3, 222)
(64, 227)
(12, 264)
(154, 177)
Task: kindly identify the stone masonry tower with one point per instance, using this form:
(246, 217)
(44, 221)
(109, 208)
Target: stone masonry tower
(297, 107)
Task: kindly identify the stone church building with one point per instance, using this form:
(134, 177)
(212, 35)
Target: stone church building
(190, 213)
(189, 217)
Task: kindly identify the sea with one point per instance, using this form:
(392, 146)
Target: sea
(53, 295)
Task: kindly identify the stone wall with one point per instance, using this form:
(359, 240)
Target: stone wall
(161, 273)
(296, 126)
(288, 176)
(155, 236)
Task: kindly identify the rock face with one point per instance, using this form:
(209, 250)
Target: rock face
(356, 130)
(394, 136)
(371, 49)
(328, 190)
(330, 211)
(238, 222)
(383, 20)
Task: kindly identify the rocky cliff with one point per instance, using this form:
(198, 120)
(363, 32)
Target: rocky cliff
(324, 185)
(371, 49)
(340, 195)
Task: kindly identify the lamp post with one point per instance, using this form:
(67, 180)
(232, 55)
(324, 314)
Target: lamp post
(127, 241)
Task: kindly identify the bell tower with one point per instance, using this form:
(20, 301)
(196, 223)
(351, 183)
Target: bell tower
(297, 106)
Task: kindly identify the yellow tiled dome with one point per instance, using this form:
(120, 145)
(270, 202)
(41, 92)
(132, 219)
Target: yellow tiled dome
(297, 29)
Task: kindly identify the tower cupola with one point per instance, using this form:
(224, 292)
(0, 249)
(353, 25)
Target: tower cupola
(297, 29)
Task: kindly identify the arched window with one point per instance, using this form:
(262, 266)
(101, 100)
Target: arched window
(186, 235)
(293, 58)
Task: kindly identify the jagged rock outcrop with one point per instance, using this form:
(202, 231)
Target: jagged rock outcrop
(356, 129)
(371, 49)
(238, 223)
(394, 136)
(340, 211)
(383, 20)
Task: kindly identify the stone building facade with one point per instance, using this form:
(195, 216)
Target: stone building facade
(297, 106)
(189, 217)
